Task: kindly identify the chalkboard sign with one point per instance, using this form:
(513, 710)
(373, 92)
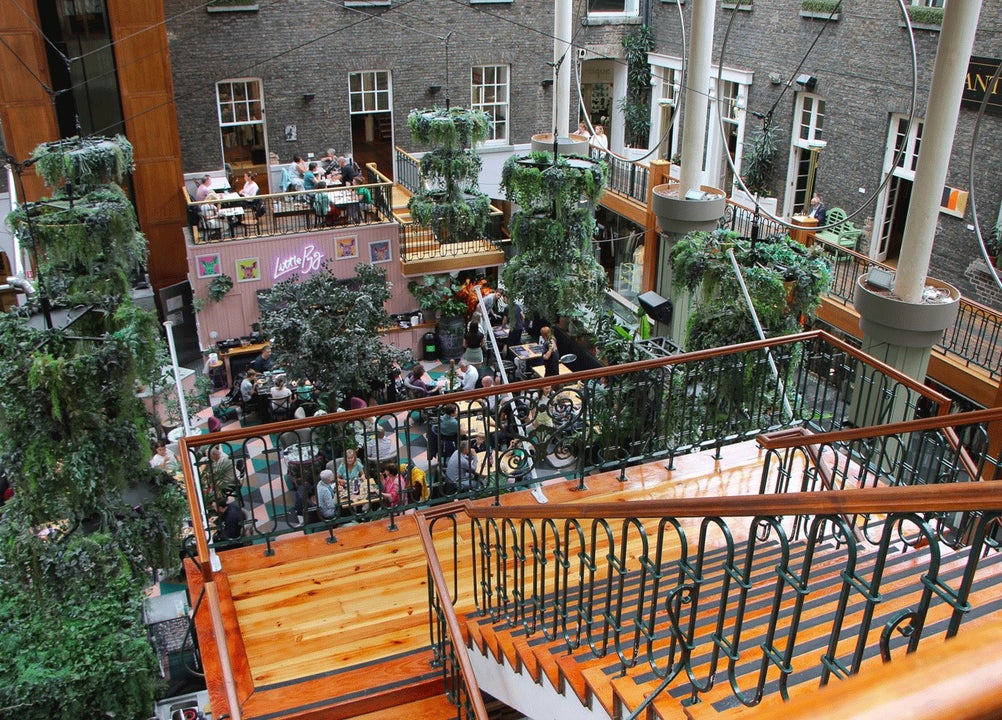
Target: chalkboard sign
(450, 337)
(176, 303)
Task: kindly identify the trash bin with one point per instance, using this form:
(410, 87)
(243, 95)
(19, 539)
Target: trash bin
(430, 343)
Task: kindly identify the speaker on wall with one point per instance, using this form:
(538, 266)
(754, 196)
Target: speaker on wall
(659, 308)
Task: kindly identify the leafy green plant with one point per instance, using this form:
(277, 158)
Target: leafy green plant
(553, 268)
(75, 556)
(636, 104)
(439, 294)
(821, 6)
(219, 287)
(760, 157)
(329, 331)
(450, 202)
(924, 15)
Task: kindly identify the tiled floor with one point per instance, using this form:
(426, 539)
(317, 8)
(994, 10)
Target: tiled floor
(266, 489)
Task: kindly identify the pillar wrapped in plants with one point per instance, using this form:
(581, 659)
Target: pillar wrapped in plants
(553, 268)
(450, 201)
(89, 519)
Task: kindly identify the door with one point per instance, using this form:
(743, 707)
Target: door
(371, 119)
(900, 160)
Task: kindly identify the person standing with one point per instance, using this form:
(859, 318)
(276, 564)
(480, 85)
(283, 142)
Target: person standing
(599, 140)
(550, 353)
(583, 130)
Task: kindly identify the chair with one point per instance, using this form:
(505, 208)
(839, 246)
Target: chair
(282, 409)
(209, 224)
(842, 232)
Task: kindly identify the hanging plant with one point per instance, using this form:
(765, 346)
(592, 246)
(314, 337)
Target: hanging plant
(759, 159)
(219, 287)
(84, 161)
(450, 202)
(535, 182)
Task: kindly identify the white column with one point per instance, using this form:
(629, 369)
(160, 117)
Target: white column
(565, 55)
(956, 39)
(697, 85)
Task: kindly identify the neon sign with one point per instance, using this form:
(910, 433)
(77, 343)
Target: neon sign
(309, 260)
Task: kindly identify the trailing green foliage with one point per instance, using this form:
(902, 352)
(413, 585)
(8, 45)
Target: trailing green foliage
(74, 554)
(439, 294)
(450, 202)
(785, 280)
(821, 6)
(553, 268)
(327, 330)
(636, 104)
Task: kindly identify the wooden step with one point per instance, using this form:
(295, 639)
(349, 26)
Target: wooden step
(436, 707)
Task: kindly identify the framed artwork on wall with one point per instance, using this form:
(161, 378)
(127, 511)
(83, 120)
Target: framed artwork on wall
(379, 251)
(346, 248)
(248, 269)
(208, 266)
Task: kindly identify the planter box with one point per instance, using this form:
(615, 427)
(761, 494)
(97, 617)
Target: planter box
(680, 215)
(819, 15)
(249, 7)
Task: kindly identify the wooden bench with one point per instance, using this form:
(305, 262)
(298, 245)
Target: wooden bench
(842, 232)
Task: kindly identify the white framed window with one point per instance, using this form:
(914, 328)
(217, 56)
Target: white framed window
(368, 92)
(489, 92)
(613, 8)
(242, 132)
(907, 141)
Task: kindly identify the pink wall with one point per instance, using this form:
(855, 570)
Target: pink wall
(280, 258)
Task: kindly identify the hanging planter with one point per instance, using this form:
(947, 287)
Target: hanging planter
(84, 161)
(678, 213)
(451, 203)
(219, 287)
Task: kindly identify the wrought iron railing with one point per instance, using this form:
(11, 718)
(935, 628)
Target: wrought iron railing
(607, 418)
(792, 586)
(408, 170)
(285, 213)
(626, 178)
(417, 242)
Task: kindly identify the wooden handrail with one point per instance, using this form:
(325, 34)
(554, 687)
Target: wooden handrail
(451, 621)
(912, 498)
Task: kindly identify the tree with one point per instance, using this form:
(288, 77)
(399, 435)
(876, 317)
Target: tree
(75, 553)
(327, 329)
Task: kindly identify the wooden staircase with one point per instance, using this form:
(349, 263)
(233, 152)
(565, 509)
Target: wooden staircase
(599, 682)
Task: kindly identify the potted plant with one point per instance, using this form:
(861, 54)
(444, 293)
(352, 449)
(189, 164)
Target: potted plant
(438, 296)
(821, 9)
(450, 202)
(636, 104)
(219, 286)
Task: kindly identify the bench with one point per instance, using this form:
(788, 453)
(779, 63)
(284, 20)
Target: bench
(842, 232)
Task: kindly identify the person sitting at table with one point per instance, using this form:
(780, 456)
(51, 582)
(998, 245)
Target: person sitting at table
(394, 484)
(417, 382)
(327, 496)
(262, 363)
(163, 459)
(347, 169)
(473, 341)
(281, 406)
(203, 189)
(310, 176)
(417, 478)
(249, 191)
(461, 469)
(349, 471)
(248, 386)
(468, 375)
(328, 160)
(380, 446)
(228, 520)
(488, 381)
(222, 475)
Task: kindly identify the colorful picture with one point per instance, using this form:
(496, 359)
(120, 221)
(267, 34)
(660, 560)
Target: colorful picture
(208, 266)
(379, 251)
(248, 269)
(347, 247)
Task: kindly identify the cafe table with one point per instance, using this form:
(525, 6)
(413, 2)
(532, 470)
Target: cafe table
(528, 351)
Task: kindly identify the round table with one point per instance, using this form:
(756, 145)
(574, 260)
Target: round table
(304, 461)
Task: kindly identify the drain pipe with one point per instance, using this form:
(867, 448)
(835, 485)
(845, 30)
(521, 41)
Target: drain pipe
(759, 330)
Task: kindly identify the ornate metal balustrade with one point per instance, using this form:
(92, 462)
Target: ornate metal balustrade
(608, 418)
(286, 213)
(792, 587)
(419, 243)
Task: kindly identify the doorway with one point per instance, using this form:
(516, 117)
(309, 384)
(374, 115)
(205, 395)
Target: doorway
(371, 119)
(899, 193)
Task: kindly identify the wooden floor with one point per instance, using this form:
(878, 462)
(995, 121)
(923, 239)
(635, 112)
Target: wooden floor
(336, 631)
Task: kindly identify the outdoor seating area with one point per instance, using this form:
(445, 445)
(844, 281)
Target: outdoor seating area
(843, 232)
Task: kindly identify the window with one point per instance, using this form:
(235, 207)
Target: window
(907, 142)
(489, 92)
(241, 122)
(613, 8)
(369, 92)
